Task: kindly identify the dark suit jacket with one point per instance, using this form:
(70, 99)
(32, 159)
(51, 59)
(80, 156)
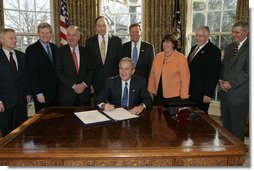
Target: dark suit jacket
(13, 89)
(13, 86)
(145, 59)
(68, 76)
(236, 70)
(138, 93)
(204, 71)
(113, 56)
(41, 72)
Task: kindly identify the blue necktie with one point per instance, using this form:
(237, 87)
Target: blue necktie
(124, 101)
(135, 54)
(49, 54)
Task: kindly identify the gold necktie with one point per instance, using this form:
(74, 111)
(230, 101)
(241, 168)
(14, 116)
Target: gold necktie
(103, 50)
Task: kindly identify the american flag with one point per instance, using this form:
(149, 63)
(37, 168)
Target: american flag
(64, 22)
(177, 25)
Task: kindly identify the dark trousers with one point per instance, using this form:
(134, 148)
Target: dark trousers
(7, 120)
(234, 115)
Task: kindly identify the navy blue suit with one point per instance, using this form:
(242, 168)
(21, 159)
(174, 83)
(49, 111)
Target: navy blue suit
(145, 58)
(13, 91)
(138, 93)
(42, 74)
(110, 67)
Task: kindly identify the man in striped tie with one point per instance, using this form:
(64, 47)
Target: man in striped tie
(234, 83)
(125, 90)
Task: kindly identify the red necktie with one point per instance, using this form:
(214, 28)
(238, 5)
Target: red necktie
(13, 63)
(75, 59)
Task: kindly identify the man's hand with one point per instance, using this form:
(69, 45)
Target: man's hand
(79, 88)
(206, 99)
(107, 106)
(28, 98)
(41, 98)
(137, 109)
(224, 85)
(1, 107)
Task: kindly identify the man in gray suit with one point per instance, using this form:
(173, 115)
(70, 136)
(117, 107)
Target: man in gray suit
(234, 83)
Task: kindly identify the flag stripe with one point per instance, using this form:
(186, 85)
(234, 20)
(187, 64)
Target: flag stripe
(63, 22)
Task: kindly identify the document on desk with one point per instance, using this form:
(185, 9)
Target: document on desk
(96, 116)
(120, 114)
(92, 116)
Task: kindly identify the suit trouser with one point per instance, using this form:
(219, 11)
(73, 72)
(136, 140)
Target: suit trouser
(7, 120)
(234, 113)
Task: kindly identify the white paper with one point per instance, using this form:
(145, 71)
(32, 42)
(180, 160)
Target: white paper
(92, 116)
(120, 114)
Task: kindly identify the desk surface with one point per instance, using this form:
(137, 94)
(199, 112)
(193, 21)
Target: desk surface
(58, 137)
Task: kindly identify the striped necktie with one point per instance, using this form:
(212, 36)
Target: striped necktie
(235, 50)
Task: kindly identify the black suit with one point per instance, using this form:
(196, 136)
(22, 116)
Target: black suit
(13, 91)
(138, 93)
(68, 76)
(205, 72)
(145, 59)
(42, 74)
(110, 67)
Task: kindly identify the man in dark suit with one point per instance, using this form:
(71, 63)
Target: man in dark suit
(104, 50)
(40, 58)
(74, 70)
(234, 83)
(145, 51)
(126, 90)
(13, 84)
(205, 65)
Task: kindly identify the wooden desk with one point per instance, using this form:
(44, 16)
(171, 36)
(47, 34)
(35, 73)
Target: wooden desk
(58, 138)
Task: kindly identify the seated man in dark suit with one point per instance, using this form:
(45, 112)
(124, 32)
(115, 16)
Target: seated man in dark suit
(126, 90)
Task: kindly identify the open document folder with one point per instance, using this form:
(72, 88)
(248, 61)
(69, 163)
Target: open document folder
(96, 116)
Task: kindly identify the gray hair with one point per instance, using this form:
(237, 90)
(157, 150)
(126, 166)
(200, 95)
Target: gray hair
(243, 24)
(127, 59)
(74, 28)
(4, 31)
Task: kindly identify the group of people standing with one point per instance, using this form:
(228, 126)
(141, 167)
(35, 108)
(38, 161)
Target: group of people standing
(128, 75)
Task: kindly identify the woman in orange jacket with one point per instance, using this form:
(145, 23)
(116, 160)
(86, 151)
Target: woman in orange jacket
(170, 76)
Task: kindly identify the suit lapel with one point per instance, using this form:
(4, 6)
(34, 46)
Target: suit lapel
(43, 52)
(241, 50)
(118, 90)
(141, 53)
(132, 91)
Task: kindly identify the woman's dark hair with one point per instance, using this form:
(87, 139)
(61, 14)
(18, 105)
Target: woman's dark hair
(171, 38)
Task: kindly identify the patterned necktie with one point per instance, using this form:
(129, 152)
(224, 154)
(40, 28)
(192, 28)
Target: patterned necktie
(235, 50)
(124, 101)
(103, 50)
(135, 54)
(75, 59)
(49, 54)
(193, 54)
(13, 63)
